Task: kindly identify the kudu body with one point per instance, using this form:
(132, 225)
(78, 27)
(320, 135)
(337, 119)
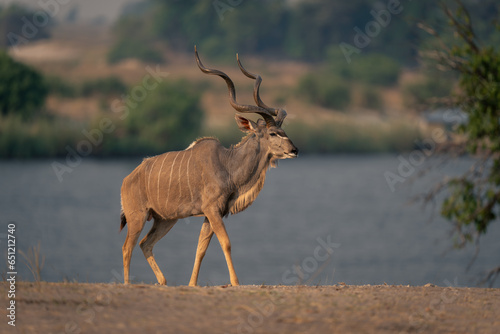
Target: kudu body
(206, 179)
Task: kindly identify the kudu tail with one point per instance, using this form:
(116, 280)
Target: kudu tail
(123, 220)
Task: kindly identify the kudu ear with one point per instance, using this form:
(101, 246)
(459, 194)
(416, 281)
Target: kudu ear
(245, 125)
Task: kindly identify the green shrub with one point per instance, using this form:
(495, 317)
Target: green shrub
(42, 137)
(134, 41)
(325, 90)
(107, 86)
(370, 98)
(103, 86)
(331, 86)
(335, 137)
(13, 28)
(374, 69)
(60, 87)
(418, 94)
(168, 119)
(130, 48)
(22, 89)
(370, 69)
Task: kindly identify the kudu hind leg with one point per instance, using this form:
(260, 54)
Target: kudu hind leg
(206, 234)
(135, 224)
(159, 230)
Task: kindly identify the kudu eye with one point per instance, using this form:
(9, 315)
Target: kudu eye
(273, 134)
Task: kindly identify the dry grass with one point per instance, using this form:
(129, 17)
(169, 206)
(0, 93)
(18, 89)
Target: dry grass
(34, 260)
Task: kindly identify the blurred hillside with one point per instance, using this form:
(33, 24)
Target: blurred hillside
(305, 30)
(101, 12)
(356, 98)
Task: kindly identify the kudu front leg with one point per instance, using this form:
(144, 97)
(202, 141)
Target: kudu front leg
(220, 231)
(206, 234)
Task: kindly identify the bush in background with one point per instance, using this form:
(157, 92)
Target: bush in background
(351, 137)
(13, 21)
(370, 98)
(45, 137)
(22, 89)
(130, 48)
(374, 69)
(327, 90)
(135, 42)
(297, 29)
(331, 86)
(420, 93)
(108, 86)
(60, 87)
(169, 119)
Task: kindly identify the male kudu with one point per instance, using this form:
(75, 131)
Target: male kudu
(206, 179)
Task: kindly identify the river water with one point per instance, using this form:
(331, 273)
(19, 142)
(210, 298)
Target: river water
(318, 220)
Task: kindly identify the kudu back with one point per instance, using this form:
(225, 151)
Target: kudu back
(206, 179)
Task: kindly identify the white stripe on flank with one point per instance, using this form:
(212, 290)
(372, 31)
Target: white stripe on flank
(170, 179)
(187, 174)
(144, 195)
(179, 181)
(149, 178)
(159, 174)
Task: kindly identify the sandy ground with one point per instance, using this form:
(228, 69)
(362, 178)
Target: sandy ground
(116, 308)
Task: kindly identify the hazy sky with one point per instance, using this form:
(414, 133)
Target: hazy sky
(88, 10)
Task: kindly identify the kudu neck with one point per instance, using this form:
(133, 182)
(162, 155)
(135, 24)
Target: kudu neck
(247, 160)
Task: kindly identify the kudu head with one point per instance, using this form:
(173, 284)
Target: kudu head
(267, 130)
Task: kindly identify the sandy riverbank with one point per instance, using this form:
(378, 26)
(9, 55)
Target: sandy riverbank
(115, 308)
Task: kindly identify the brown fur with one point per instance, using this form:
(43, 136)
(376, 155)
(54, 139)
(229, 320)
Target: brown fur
(200, 140)
(205, 179)
(245, 199)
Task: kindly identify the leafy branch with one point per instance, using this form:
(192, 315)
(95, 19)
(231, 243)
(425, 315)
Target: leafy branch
(472, 200)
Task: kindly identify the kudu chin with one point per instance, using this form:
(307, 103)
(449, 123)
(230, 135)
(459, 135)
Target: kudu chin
(206, 179)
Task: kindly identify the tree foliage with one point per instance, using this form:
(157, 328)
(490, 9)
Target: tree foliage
(332, 86)
(325, 90)
(472, 202)
(137, 41)
(22, 89)
(168, 119)
(17, 26)
(304, 30)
